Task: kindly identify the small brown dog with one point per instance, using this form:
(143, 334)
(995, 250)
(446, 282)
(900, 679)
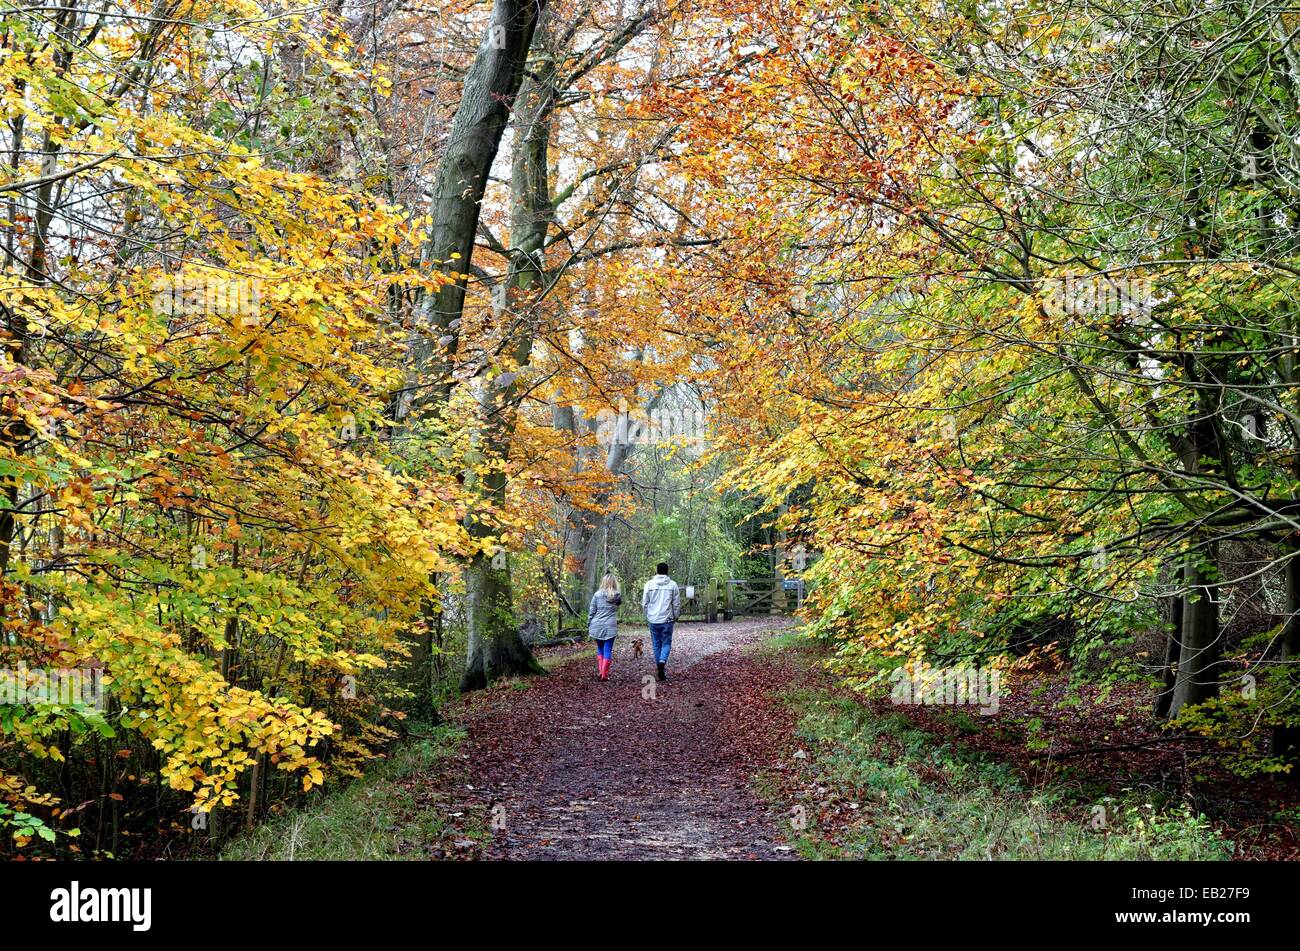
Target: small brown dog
(636, 647)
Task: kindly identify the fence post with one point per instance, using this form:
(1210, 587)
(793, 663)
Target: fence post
(778, 595)
(711, 602)
(727, 603)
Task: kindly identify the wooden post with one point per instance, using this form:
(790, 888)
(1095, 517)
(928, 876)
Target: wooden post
(778, 568)
(727, 613)
(778, 596)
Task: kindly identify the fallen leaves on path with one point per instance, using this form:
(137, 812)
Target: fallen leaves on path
(576, 768)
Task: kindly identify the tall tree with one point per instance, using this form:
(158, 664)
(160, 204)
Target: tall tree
(487, 98)
(495, 647)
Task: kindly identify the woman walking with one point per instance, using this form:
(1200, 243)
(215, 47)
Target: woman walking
(603, 622)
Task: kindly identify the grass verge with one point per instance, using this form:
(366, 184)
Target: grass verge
(387, 814)
(374, 817)
(873, 786)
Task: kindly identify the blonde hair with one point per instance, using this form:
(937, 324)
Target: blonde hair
(609, 584)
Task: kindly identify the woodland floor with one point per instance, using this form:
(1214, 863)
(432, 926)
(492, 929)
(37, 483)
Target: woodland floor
(750, 732)
(577, 768)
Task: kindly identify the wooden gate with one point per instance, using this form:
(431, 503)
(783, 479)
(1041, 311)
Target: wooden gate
(728, 599)
(766, 596)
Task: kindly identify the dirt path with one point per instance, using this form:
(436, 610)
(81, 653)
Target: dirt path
(576, 768)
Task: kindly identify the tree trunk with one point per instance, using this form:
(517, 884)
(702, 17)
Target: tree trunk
(1286, 739)
(1197, 678)
(495, 648)
(487, 99)
(1173, 642)
(1198, 661)
(422, 670)
(584, 529)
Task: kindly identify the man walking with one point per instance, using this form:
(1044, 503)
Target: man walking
(662, 602)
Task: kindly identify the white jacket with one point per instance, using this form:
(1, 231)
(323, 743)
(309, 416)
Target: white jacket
(661, 600)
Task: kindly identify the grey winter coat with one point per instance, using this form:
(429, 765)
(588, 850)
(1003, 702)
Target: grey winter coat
(603, 616)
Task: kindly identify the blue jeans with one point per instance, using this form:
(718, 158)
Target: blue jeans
(661, 641)
(605, 648)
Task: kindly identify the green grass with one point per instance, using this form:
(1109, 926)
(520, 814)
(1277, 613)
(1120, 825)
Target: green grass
(576, 651)
(910, 796)
(791, 638)
(371, 818)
